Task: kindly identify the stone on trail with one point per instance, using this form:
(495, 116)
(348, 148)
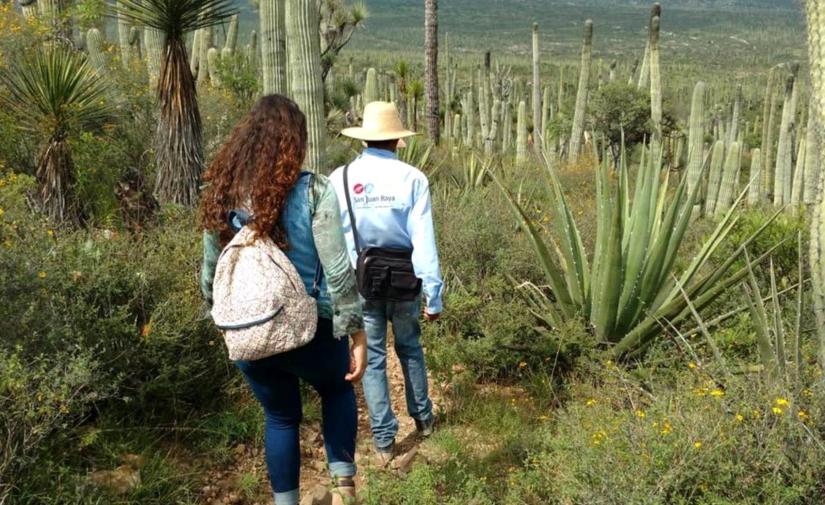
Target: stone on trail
(121, 480)
(319, 495)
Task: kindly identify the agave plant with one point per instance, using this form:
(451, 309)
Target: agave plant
(628, 287)
(179, 145)
(55, 93)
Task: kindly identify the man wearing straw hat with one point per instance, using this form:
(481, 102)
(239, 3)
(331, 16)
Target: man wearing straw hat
(393, 247)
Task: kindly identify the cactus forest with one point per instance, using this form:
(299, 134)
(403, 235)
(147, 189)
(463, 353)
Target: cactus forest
(629, 203)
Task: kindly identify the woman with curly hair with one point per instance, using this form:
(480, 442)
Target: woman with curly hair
(256, 181)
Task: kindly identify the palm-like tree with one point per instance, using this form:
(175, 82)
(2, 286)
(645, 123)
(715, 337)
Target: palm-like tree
(415, 89)
(179, 146)
(54, 93)
(402, 73)
(431, 71)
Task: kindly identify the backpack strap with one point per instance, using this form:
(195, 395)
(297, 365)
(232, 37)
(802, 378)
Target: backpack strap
(351, 212)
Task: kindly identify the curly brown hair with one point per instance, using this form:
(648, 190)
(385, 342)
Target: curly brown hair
(256, 168)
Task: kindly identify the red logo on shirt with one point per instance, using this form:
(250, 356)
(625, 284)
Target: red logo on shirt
(359, 188)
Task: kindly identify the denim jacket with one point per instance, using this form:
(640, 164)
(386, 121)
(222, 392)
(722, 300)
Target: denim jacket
(313, 230)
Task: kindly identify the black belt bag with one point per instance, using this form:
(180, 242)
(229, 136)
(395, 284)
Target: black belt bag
(382, 273)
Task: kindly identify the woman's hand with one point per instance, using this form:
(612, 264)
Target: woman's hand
(358, 356)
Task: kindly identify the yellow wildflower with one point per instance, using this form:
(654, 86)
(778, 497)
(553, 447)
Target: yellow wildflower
(697, 444)
(544, 418)
(522, 365)
(717, 393)
(756, 413)
(590, 402)
(691, 365)
(667, 429)
(739, 418)
(640, 414)
(50, 233)
(777, 411)
(802, 415)
(700, 391)
(782, 402)
(41, 274)
(2, 212)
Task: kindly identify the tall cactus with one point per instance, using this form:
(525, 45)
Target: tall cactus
(94, 46)
(537, 115)
(815, 10)
(431, 70)
(154, 40)
(783, 172)
(546, 114)
(755, 178)
(797, 186)
(123, 31)
(715, 176)
(134, 44)
(812, 160)
(696, 136)
(492, 135)
(231, 42)
(206, 43)
(655, 87)
(521, 133)
(644, 73)
(727, 188)
(213, 58)
(768, 133)
(194, 57)
(302, 21)
(370, 86)
(470, 119)
(507, 128)
(483, 104)
(273, 47)
(581, 96)
(29, 8)
(733, 131)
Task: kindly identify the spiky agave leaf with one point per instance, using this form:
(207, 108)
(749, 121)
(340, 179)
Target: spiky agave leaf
(55, 91)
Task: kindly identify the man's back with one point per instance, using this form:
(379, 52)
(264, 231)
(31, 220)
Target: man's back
(391, 202)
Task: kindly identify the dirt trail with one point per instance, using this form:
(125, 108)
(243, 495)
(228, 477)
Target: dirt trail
(225, 486)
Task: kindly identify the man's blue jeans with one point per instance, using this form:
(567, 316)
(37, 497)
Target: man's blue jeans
(323, 363)
(406, 332)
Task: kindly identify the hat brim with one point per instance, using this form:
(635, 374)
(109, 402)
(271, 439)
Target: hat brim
(360, 133)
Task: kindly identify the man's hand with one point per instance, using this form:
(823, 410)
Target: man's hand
(358, 356)
(431, 317)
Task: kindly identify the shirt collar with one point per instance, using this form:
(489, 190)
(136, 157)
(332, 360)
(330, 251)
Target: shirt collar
(380, 153)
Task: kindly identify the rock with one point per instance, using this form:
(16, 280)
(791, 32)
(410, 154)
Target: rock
(135, 461)
(404, 463)
(319, 495)
(240, 450)
(121, 480)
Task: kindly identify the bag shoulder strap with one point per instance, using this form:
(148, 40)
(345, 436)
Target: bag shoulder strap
(319, 270)
(350, 210)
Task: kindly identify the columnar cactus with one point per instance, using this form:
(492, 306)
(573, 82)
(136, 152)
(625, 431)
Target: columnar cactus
(815, 10)
(29, 8)
(123, 31)
(456, 128)
(782, 175)
(206, 43)
(812, 160)
(194, 57)
(370, 86)
(492, 135)
(546, 113)
(581, 96)
(768, 153)
(537, 117)
(733, 131)
(470, 119)
(302, 21)
(483, 104)
(273, 47)
(134, 44)
(755, 178)
(521, 133)
(655, 87)
(507, 128)
(94, 46)
(231, 42)
(727, 188)
(715, 176)
(213, 60)
(155, 41)
(252, 49)
(797, 187)
(696, 136)
(767, 110)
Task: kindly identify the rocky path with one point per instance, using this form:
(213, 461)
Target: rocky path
(228, 485)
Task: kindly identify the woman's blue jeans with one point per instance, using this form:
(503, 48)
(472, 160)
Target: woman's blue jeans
(322, 363)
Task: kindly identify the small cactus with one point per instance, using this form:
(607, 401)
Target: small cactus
(213, 60)
(715, 176)
(730, 176)
(755, 178)
(521, 133)
(371, 86)
(784, 164)
(696, 136)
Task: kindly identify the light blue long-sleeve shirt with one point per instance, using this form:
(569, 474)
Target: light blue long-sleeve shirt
(392, 206)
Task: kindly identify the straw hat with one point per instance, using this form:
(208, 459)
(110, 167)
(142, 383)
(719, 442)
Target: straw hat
(381, 122)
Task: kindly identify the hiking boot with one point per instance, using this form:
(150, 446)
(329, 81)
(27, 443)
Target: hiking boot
(425, 428)
(385, 455)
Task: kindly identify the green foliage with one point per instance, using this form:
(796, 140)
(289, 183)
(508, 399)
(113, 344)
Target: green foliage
(239, 76)
(630, 287)
(621, 111)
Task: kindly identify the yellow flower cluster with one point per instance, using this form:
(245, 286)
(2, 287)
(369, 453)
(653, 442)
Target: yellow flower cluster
(598, 437)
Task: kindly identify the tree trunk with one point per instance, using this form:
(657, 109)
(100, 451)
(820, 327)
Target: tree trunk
(179, 142)
(431, 70)
(307, 88)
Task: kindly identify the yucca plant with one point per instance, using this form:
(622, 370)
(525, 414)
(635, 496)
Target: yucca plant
(55, 93)
(628, 287)
(178, 145)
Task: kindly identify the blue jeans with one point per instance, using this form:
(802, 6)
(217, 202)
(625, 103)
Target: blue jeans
(406, 332)
(322, 363)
